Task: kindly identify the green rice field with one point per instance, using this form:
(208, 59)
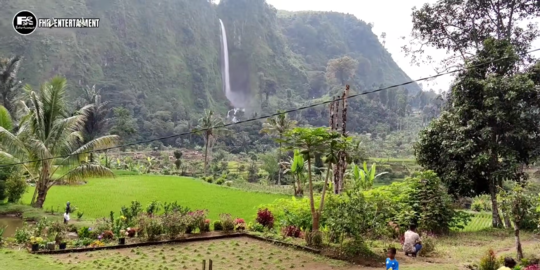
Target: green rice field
(100, 196)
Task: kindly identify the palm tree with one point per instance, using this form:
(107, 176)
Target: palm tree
(46, 131)
(9, 84)
(278, 125)
(97, 118)
(209, 127)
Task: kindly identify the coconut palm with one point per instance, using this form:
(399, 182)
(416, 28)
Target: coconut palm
(46, 131)
(209, 128)
(9, 84)
(97, 117)
(278, 126)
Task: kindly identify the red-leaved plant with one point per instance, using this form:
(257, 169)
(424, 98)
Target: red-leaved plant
(532, 267)
(292, 231)
(239, 221)
(265, 218)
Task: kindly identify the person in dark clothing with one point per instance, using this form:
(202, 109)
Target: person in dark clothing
(68, 208)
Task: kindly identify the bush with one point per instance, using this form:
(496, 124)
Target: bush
(265, 218)
(220, 181)
(210, 179)
(206, 226)
(256, 227)
(432, 205)
(198, 219)
(428, 245)
(489, 261)
(149, 227)
(174, 224)
(15, 188)
(84, 232)
(227, 221)
(228, 183)
(218, 226)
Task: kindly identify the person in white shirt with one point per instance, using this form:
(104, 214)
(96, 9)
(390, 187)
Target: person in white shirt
(412, 243)
(66, 217)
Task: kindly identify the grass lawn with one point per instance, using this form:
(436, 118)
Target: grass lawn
(100, 196)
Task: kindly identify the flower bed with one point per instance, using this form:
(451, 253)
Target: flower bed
(187, 238)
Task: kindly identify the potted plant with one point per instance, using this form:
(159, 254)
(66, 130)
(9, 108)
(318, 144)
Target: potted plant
(34, 242)
(122, 237)
(60, 241)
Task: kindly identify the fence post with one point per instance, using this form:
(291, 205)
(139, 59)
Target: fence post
(203, 264)
(209, 264)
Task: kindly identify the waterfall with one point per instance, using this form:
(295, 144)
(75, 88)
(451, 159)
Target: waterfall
(232, 97)
(225, 68)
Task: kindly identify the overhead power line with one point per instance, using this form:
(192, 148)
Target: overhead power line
(262, 117)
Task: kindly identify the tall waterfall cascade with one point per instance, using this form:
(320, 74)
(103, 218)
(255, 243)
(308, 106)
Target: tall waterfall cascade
(232, 97)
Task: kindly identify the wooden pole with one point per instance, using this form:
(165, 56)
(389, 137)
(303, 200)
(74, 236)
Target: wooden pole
(210, 265)
(203, 264)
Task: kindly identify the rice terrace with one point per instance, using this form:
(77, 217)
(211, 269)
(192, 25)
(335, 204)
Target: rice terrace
(261, 134)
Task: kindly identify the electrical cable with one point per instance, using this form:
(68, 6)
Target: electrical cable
(260, 117)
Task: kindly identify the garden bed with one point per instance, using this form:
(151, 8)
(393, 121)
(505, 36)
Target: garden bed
(191, 238)
(281, 243)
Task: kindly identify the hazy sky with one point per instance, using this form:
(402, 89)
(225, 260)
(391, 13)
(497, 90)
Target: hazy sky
(390, 16)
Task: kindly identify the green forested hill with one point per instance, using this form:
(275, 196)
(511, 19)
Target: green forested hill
(162, 60)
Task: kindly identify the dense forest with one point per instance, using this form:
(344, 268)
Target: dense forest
(159, 73)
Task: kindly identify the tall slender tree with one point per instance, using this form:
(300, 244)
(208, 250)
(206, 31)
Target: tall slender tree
(278, 126)
(209, 128)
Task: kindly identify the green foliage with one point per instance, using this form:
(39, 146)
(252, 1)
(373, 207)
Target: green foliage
(363, 177)
(484, 99)
(15, 188)
(5, 119)
(481, 203)
(489, 261)
(227, 222)
(431, 203)
(429, 244)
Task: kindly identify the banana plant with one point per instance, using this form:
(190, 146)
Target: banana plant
(363, 177)
(297, 168)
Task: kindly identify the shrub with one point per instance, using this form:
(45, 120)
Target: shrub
(428, 245)
(149, 227)
(265, 218)
(174, 224)
(229, 183)
(240, 224)
(84, 232)
(220, 181)
(256, 227)
(206, 226)
(489, 261)
(15, 188)
(291, 231)
(22, 235)
(198, 219)
(227, 221)
(432, 204)
(210, 179)
(218, 226)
